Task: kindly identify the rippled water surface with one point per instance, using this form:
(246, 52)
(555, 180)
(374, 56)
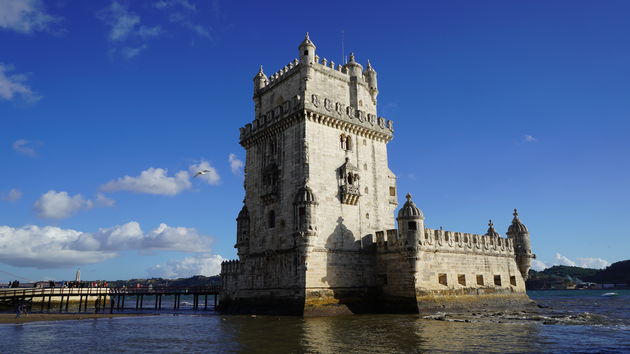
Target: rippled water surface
(577, 321)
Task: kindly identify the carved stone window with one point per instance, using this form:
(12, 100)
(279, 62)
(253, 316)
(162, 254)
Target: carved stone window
(412, 226)
(479, 279)
(461, 279)
(497, 280)
(345, 142)
(349, 183)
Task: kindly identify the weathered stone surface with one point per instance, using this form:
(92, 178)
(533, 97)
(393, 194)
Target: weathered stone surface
(317, 235)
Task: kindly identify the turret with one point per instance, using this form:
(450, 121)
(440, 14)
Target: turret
(410, 223)
(260, 80)
(522, 245)
(370, 78)
(304, 214)
(242, 232)
(353, 68)
(306, 50)
(491, 231)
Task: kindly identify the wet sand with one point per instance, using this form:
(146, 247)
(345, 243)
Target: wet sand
(9, 318)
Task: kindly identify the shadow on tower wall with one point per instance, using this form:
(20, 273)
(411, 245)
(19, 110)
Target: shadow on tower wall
(349, 272)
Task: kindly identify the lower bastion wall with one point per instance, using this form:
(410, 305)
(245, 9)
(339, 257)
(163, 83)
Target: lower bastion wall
(437, 270)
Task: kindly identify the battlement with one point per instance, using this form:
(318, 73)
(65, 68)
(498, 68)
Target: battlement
(230, 267)
(446, 241)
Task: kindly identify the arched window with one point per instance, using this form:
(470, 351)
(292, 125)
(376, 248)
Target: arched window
(271, 219)
(342, 140)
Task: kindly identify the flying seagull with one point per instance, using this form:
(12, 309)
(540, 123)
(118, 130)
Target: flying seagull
(201, 173)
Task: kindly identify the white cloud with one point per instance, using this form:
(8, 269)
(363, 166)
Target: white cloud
(130, 52)
(585, 262)
(165, 4)
(183, 15)
(45, 247)
(538, 265)
(529, 139)
(25, 147)
(125, 27)
(13, 195)
(235, 164)
(13, 85)
(59, 205)
(596, 263)
(206, 264)
(25, 16)
(211, 177)
(151, 181)
(102, 200)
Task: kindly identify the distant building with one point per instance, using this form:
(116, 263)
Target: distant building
(317, 234)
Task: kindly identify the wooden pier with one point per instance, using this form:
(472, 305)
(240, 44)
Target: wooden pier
(108, 299)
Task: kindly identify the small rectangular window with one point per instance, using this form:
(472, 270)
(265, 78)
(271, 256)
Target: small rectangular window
(411, 225)
(461, 279)
(392, 191)
(497, 280)
(513, 280)
(479, 279)
(442, 279)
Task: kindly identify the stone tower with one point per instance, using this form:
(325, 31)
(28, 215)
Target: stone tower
(317, 181)
(522, 245)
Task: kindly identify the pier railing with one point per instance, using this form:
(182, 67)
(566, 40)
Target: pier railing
(101, 298)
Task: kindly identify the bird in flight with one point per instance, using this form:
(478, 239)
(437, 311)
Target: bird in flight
(201, 173)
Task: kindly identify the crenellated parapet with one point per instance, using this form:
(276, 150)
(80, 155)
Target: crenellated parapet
(230, 267)
(446, 241)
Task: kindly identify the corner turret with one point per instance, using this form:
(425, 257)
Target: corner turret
(353, 68)
(370, 78)
(410, 223)
(306, 50)
(260, 80)
(522, 245)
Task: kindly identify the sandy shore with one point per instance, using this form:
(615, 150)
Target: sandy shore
(9, 318)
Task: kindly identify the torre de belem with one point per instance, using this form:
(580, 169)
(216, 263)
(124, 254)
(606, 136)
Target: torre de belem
(316, 234)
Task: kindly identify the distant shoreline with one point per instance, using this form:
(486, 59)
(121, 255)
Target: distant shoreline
(9, 318)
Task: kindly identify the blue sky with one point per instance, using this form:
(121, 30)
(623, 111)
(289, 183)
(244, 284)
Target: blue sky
(107, 107)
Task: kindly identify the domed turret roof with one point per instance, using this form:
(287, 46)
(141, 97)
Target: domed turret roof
(410, 210)
(260, 74)
(305, 195)
(516, 226)
(307, 42)
(491, 231)
(244, 213)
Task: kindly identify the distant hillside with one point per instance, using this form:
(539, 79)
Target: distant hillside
(561, 277)
(196, 281)
(618, 272)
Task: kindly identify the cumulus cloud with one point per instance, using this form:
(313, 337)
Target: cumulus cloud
(44, 247)
(205, 264)
(60, 205)
(25, 147)
(157, 180)
(584, 262)
(25, 16)
(538, 265)
(12, 196)
(211, 177)
(14, 85)
(151, 181)
(235, 164)
(529, 139)
(127, 33)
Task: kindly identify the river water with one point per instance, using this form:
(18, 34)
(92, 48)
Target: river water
(572, 321)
